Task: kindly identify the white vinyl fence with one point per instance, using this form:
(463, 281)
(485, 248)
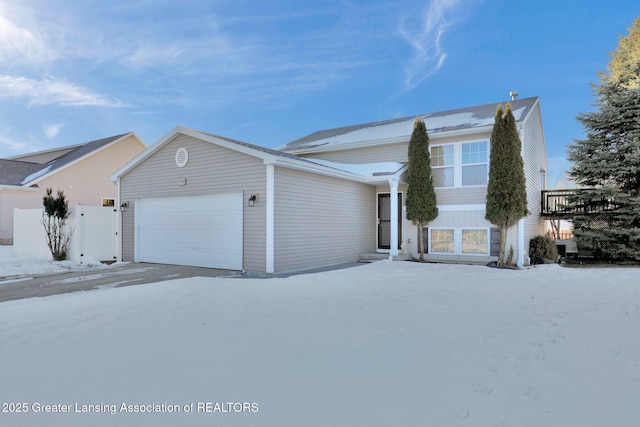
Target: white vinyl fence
(94, 234)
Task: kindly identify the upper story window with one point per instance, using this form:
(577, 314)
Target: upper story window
(442, 165)
(460, 165)
(474, 163)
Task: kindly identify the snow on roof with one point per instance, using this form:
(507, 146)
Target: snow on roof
(36, 175)
(366, 170)
(465, 118)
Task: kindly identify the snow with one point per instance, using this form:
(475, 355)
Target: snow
(402, 129)
(388, 343)
(36, 175)
(27, 266)
(366, 170)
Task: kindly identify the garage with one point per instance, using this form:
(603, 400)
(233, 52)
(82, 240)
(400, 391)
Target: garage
(200, 231)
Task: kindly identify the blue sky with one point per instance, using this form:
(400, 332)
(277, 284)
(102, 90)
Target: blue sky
(268, 72)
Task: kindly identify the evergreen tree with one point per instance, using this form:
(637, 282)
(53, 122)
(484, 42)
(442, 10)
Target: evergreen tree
(607, 163)
(54, 218)
(506, 190)
(625, 60)
(421, 196)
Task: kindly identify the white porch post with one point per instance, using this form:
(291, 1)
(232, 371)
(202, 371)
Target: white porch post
(393, 217)
(270, 249)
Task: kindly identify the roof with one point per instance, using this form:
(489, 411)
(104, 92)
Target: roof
(13, 172)
(399, 130)
(21, 173)
(359, 173)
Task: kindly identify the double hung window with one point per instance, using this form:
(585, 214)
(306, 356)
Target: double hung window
(463, 164)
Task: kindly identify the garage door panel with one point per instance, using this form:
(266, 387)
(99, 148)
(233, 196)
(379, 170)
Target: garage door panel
(200, 231)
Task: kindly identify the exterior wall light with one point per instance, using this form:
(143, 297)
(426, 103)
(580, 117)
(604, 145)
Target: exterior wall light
(252, 200)
(124, 206)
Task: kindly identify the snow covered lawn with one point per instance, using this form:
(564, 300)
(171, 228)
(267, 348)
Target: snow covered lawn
(384, 344)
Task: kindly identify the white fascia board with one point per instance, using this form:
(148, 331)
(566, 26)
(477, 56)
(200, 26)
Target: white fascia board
(40, 178)
(194, 134)
(304, 166)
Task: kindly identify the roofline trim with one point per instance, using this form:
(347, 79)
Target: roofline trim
(68, 165)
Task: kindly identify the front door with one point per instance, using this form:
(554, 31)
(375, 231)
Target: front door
(384, 221)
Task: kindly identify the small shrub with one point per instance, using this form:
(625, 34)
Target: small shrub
(509, 262)
(542, 249)
(55, 213)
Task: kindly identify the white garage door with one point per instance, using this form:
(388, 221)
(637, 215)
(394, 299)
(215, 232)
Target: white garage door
(202, 231)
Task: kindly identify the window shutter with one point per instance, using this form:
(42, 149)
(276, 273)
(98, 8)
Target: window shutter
(425, 240)
(495, 242)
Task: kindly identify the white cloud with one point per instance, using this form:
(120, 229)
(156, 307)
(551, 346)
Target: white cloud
(52, 91)
(19, 44)
(11, 144)
(52, 130)
(425, 37)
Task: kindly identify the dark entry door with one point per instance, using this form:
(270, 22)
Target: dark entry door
(384, 221)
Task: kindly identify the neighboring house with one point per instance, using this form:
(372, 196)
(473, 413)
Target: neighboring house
(199, 199)
(81, 171)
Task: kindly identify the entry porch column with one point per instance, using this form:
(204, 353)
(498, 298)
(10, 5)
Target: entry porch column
(393, 233)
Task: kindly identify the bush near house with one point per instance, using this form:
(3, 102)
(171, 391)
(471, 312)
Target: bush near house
(542, 249)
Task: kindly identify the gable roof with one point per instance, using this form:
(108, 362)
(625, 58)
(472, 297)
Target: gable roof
(13, 172)
(21, 173)
(462, 120)
(270, 156)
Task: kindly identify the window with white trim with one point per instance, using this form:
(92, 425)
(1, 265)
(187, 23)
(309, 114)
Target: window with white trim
(459, 241)
(442, 240)
(442, 167)
(474, 163)
(463, 164)
(475, 241)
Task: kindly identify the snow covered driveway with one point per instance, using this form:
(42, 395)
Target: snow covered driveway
(384, 344)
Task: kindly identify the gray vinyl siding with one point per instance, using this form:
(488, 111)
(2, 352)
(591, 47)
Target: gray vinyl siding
(462, 196)
(535, 159)
(383, 153)
(321, 220)
(211, 170)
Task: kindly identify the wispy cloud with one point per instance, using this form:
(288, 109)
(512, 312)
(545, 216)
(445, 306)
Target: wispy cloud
(424, 35)
(52, 91)
(19, 44)
(52, 130)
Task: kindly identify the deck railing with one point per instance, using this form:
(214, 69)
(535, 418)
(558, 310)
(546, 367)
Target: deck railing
(558, 204)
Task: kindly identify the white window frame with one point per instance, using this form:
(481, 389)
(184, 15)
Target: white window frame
(432, 251)
(488, 247)
(457, 241)
(452, 166)
(463, 165)
(457, 162)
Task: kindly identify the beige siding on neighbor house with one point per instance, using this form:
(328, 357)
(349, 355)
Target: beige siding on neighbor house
(211, 169)
(321, 220)
(87, 182)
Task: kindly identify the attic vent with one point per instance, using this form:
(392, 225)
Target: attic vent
(182, 157)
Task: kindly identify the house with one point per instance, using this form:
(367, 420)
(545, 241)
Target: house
(81, 171)
(195, 198)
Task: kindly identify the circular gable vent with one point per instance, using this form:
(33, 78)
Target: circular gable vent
(182, 157)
